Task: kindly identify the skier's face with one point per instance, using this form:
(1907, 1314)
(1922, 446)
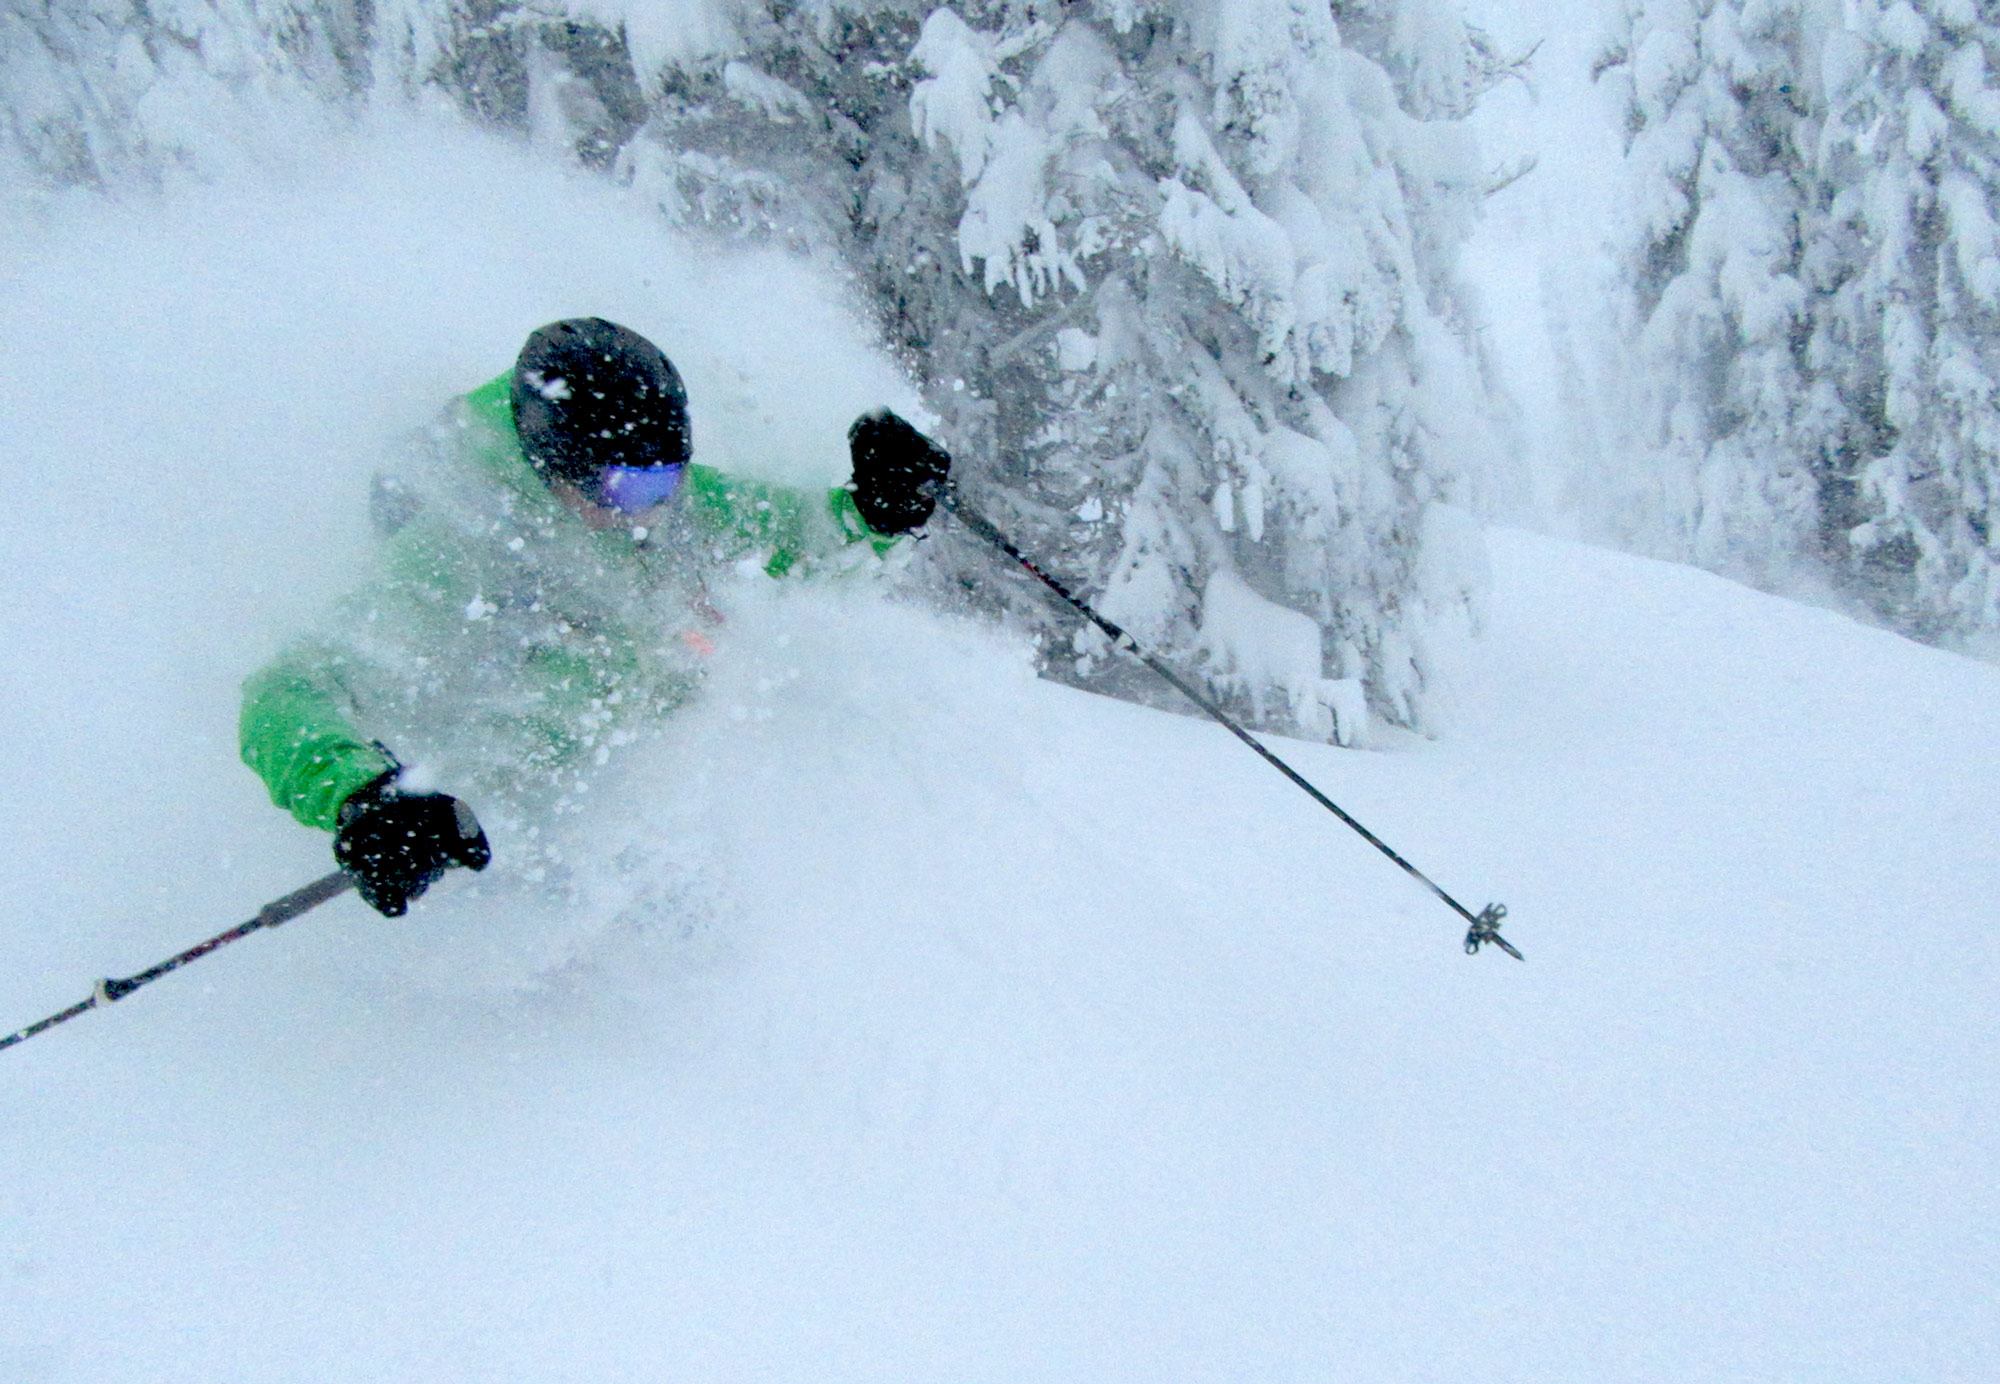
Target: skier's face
(621, 496)
(633, 489)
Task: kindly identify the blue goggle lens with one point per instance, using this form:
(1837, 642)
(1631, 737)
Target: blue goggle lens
(636, 489)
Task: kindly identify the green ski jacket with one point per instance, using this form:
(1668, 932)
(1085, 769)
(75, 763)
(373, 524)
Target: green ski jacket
(501, 641)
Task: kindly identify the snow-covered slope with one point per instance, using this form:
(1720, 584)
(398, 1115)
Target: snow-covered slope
(926, 1021)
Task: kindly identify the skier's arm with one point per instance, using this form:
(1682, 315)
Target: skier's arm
(793, 526)
(302, 728)
(897, 472)
(298, 735)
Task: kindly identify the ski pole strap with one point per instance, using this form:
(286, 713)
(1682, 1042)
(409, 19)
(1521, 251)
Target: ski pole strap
(110, 990)
(1482, 926)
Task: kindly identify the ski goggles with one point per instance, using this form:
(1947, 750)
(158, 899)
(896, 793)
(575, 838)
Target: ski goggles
(633, 489)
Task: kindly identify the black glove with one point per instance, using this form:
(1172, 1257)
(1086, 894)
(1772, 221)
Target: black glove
(396, 844)
(898, 472)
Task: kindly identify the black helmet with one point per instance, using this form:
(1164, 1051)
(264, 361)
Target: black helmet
(590, 393)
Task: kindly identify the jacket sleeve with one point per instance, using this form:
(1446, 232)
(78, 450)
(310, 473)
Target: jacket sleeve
(302, 730)
(298, 735)
(797, 528)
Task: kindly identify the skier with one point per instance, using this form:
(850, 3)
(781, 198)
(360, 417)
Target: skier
(540, 594)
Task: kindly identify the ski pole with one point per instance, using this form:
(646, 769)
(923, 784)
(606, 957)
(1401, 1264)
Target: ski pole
(279, 910)
(1483, 927)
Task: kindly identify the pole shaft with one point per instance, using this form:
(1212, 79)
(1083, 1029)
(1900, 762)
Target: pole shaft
(280, 910)
(985, 529)
(63, 1016)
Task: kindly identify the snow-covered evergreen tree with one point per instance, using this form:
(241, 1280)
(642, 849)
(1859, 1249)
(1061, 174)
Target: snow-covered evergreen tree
(1812, 281)
(1906, 347)
(99, 92)
(1719, 138)
(1181, 278)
